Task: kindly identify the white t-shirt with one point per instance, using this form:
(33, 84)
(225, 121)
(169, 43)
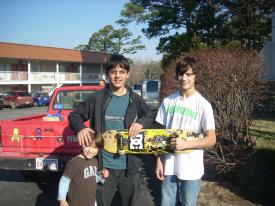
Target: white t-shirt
(193, 113)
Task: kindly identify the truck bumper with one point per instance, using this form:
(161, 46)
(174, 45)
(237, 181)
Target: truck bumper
(28, 164)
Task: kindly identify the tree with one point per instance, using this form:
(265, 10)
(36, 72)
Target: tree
(82, 47)
(113, 40)
(250, 22)
(141, 70)
(192, 24)
(162, 16)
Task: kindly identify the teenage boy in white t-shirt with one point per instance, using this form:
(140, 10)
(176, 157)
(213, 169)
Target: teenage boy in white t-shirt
(185, 109)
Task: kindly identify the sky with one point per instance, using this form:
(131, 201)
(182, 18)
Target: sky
(65, 23)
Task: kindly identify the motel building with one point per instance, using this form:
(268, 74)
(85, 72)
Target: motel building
(41, 69)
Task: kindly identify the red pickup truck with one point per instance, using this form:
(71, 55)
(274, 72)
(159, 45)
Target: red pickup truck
(44, 141)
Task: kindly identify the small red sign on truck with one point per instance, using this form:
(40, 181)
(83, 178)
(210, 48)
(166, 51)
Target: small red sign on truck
(44, 141)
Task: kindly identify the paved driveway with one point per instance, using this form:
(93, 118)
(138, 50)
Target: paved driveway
(27, 189)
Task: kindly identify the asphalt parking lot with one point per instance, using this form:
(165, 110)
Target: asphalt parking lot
(22, 188)
(8, 113)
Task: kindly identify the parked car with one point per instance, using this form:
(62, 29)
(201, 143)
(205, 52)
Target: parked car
(137, 88)
(17, 99)
(1, 101)
(40, 99)
(150, 93)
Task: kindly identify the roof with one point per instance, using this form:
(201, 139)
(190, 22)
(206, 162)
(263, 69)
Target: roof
(32, 52)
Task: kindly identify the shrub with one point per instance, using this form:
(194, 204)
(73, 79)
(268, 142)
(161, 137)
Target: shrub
(231, 80)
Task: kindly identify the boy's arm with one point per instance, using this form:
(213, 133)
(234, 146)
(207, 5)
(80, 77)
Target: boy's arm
(81, 114)
(159, 168)
(209, 136)
(77, 117)
(208, 140)
(63, 188)
(144, 121)
(158, 124)
(64, 203)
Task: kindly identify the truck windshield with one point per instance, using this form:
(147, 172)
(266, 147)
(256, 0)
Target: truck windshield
(70, 99)
(152, 86)
(137, 87)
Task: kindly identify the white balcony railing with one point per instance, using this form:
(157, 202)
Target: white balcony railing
(47, 76)
(43, 76)
(16, 76)
(65, 76)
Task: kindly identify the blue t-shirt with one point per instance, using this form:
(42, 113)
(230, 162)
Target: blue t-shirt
(114, 119)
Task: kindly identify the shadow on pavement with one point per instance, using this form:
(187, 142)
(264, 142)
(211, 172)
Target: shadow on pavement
(149, 181)
(148, 184)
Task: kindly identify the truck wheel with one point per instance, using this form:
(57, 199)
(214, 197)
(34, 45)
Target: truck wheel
(13, 105)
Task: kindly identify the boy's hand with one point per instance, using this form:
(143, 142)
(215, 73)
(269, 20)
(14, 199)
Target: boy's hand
(64, 203)
(102, 175)
(135, 129)
(178, 144)
(105, 173)
(84, 137)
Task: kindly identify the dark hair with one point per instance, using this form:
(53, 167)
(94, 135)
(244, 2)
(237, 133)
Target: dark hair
(185, 64)
(98, 140)
(117, 59)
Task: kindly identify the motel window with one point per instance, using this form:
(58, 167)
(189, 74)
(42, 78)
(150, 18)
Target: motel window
(5, 66)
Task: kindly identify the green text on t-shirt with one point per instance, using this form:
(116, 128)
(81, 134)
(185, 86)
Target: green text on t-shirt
(174, 109)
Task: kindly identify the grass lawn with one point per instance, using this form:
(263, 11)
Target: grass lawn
(257, 177)
(264, 132)
(265, 125)
(254, 182)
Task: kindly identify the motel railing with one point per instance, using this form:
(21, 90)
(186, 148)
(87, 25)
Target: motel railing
(13, 76)
(46, 76)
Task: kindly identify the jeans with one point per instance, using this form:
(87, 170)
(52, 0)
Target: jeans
(175, 191)
(126, 186)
